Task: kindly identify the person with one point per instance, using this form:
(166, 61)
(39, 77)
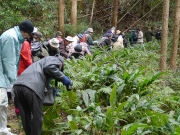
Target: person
(10, 46)
(118, 44)
(79, 50)
(106, 41)
(37, 48)
(158, 34)
(139, 36)
(111, 31)
(59, 36)
(29, 89)
(132, 37)
(64, 48)
(77, 39)
(120, 33)
(25, 61)
(52, 46)
(148, 35)
(89, 39)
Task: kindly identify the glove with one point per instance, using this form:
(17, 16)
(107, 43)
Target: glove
(66, 81)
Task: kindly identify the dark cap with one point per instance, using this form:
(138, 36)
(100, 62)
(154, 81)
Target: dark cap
(38, 34)
(26, 26)
(58, 33)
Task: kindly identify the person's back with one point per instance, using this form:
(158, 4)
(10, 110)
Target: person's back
(118, 44)
(132, 37)
(139, 36)
(79, 50)
(148, 35)
(158, 35)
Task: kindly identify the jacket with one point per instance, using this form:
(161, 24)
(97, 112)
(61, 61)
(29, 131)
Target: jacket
(131, 37)
(84, 49)
(89, 40)
(10, 46)
(26, 57)
(63, 51)
(39, 74)
(140, 37)
(118, 44)
(148, 35)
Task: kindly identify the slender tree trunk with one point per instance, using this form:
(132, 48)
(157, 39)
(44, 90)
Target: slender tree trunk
(143, 7)
(115, 13)
(92, 12)
(61, 16)
(163, 52)
(175, 36)
(74, 12)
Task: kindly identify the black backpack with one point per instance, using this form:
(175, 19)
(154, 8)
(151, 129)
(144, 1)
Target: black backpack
(135, 36)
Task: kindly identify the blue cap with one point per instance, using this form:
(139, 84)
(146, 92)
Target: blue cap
(80, 35)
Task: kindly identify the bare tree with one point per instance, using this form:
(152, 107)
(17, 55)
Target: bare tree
(92, 12)
(163, 52)
(74, 12)
(115, 13)
(61, 16)
(175, 35)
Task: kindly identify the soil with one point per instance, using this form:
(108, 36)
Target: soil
(13, 121)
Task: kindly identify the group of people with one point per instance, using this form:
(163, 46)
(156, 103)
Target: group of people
(28, 64)
(137, 36)
(29, 76)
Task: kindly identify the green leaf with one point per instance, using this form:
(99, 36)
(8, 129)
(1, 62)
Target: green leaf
(73, 125)
(113, 97)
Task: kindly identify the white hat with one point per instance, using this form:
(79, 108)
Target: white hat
(69, 38)
(90, 30)
(54, 42)
(35, 30)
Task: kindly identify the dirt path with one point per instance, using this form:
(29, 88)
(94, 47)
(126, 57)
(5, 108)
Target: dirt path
(13, 122)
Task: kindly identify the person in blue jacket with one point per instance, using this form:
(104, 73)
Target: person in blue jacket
(10, 46)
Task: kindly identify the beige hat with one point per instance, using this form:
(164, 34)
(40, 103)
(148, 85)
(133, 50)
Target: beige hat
(118, 32)
(90, 29)
(69, 38)
(54, 42)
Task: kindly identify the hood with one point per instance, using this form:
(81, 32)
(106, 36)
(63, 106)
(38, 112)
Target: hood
(18, 32)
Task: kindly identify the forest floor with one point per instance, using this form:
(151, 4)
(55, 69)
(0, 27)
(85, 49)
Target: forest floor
(13, 121)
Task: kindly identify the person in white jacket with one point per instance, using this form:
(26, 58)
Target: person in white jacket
(140, 36)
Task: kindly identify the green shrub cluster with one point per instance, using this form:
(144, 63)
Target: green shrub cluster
(118, 92)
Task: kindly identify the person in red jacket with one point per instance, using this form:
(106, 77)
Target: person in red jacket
(25, 61)
(25, 57)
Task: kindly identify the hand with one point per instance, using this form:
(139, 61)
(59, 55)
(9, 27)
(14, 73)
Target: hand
(66, 81)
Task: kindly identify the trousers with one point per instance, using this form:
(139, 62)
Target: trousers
(30, 106)
(3, 109)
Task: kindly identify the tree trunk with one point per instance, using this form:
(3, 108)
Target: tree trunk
(175, 36)
(115, 13)
(143, 7)
(61, 16)
(74, 12)
(163, 52)
(92, 12)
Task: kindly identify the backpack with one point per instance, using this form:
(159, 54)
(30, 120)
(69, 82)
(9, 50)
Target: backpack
(135, 36)
(84, 38)
(36, 49)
